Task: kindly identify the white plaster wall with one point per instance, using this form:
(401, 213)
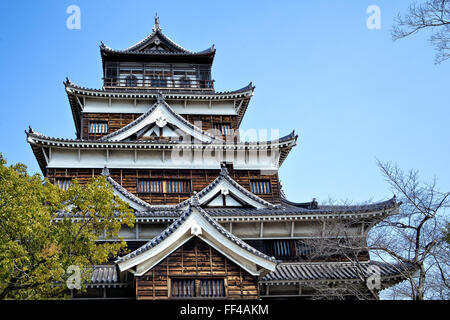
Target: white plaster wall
(307, 229)
(277, 229)
(177, 159)
(102, 105)
(246, 229)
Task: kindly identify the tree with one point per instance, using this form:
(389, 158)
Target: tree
(344, 239)
(433, 15)
(38, 241)
(414, 237)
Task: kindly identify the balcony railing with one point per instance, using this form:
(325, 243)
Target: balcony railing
(158, 83)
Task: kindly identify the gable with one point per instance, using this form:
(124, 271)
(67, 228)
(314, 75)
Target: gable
(225, 198)
(156, 43)
(196, 260)
(161, 115)
(154, 131)
(196, 223)
(225, 192)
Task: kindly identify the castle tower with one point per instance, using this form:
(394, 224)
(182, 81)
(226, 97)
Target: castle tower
(211, 218)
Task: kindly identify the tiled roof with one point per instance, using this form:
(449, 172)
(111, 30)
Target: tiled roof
(157, 32)
(285, 208)
(370, 207)
(282, 210)
(126, 193)
(296, 272)
(175, 225)
(151, 93)
(286, 272)
(286, 142)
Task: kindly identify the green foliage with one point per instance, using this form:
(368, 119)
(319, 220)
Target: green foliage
(38, 243)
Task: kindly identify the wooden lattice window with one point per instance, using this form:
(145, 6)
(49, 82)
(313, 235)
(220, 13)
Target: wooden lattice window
(260, 187)
(303, 250)
(203, 288)
(98, 127)
(150, 186)
(64, 183)
(223, 128)
(212, 288)
(183, 288)
(278, 248)
(164, 186)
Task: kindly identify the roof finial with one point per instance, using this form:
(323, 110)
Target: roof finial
(160, 98)
(156, 27)
(105, 171)
(223, 169)
(194, 201)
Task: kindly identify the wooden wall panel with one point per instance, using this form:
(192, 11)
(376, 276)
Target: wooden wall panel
(196, 259)
(119, 120)
(128, 178)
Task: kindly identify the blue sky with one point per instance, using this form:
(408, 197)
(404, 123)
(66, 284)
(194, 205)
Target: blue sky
(352, 94)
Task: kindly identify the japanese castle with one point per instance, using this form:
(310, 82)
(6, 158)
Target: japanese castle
(211, 219)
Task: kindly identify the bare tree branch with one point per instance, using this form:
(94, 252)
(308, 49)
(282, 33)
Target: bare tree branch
(433, 15)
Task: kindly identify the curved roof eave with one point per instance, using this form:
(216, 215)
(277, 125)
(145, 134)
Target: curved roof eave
(207, 52)
(284, 142)
(156, 32)
(72, 88)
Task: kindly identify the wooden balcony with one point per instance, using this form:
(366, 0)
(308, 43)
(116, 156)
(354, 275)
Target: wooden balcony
(158, 84)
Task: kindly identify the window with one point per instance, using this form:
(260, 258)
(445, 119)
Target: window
(64, 183)
(185, 82)
(164, 186)
(150, 186)
(223, 128)
(159, 82)
(178, 186)
(131, 81)
(212, 288)
(98, 127)
(111, 73)
(278, 248)
(183, 288)
(260, 186)
(303, 250)
(205, 288)
(205, 78)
